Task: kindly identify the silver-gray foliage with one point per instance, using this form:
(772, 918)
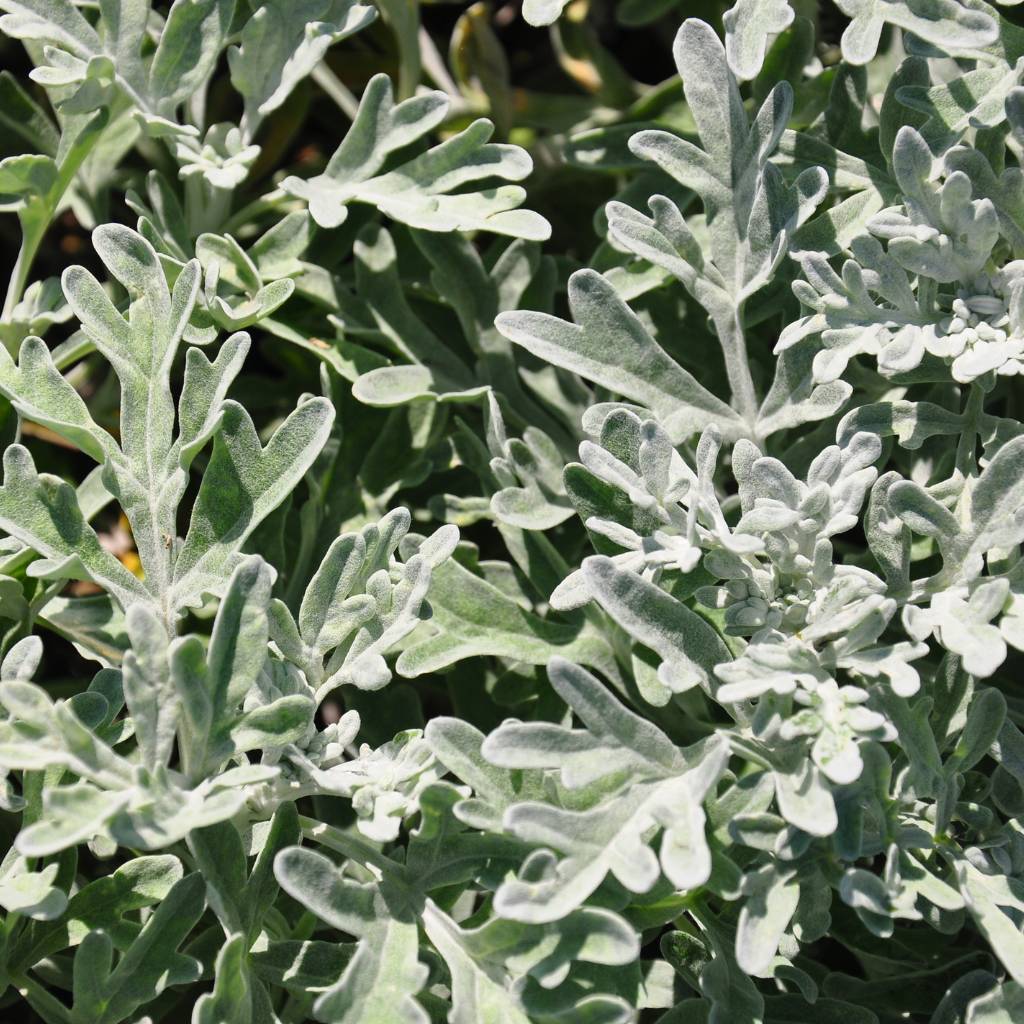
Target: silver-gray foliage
(743, 680)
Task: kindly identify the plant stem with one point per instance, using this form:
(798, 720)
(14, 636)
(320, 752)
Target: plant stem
(966, 463)
(47, 1006)
(19, 275)
(927, 290)
(346, 844)
(435, 67)
(737, 366)
(247, 213)
(37, 218)
(206, 206)
(336, 89)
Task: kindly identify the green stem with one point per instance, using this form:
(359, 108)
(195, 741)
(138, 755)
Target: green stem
(38, 216)
(737, 366)
(247, 213)
(966, 461)
(435, 67)
(336, 89)
(72, 351)
(347, 845)
(52, 1010)
(19, 275)
(927, 291)
(207, 207)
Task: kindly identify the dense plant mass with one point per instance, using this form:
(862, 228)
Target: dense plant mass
(512, 525)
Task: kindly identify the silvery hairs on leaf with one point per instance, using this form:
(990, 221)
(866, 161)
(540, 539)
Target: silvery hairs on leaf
(750, 214)
(750, 210)
(282, 43)
(179, 695)
(157, 85)
(719, 680)
(147, 470)
(749, 25)
(648, 782)
(360, 603)
(426, 190)
(947, 24)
